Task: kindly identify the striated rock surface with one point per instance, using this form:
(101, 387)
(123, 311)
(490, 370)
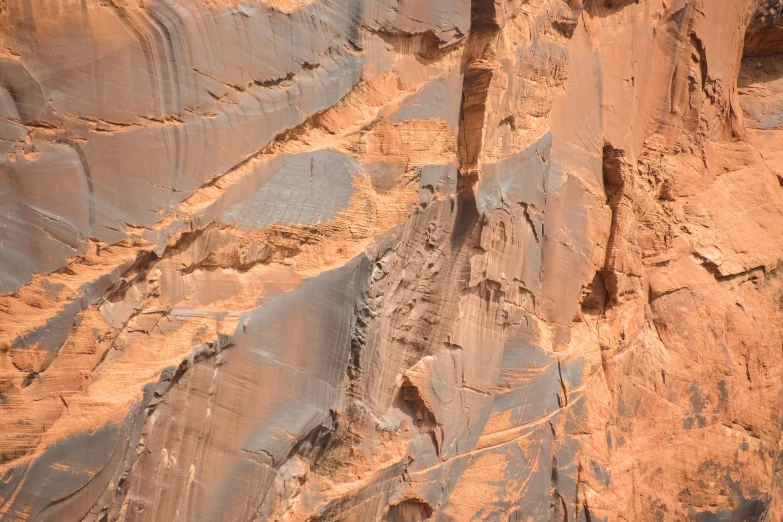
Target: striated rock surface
(391, 260)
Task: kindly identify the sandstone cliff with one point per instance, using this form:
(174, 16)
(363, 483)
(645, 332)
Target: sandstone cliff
(391, 260)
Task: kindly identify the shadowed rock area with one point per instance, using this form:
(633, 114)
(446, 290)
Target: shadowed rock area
(391, 260)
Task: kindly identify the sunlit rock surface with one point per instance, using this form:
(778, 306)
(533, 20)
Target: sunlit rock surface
(391, 260)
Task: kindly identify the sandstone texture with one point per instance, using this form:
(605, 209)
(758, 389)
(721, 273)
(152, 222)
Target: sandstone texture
(391, 260)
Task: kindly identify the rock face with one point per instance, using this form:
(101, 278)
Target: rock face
(391, 260)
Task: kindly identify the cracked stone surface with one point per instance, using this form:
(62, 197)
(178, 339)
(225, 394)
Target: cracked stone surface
(391, 260)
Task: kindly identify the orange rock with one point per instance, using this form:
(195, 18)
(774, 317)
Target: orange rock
(291, 260)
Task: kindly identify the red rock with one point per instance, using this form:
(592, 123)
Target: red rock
(391, 260)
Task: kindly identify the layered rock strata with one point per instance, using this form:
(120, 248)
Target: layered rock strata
(289, 260)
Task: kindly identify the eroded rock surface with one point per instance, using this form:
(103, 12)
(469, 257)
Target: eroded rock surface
(391, 260)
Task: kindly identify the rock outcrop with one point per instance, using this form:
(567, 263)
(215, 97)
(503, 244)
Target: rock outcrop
(391, 260)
